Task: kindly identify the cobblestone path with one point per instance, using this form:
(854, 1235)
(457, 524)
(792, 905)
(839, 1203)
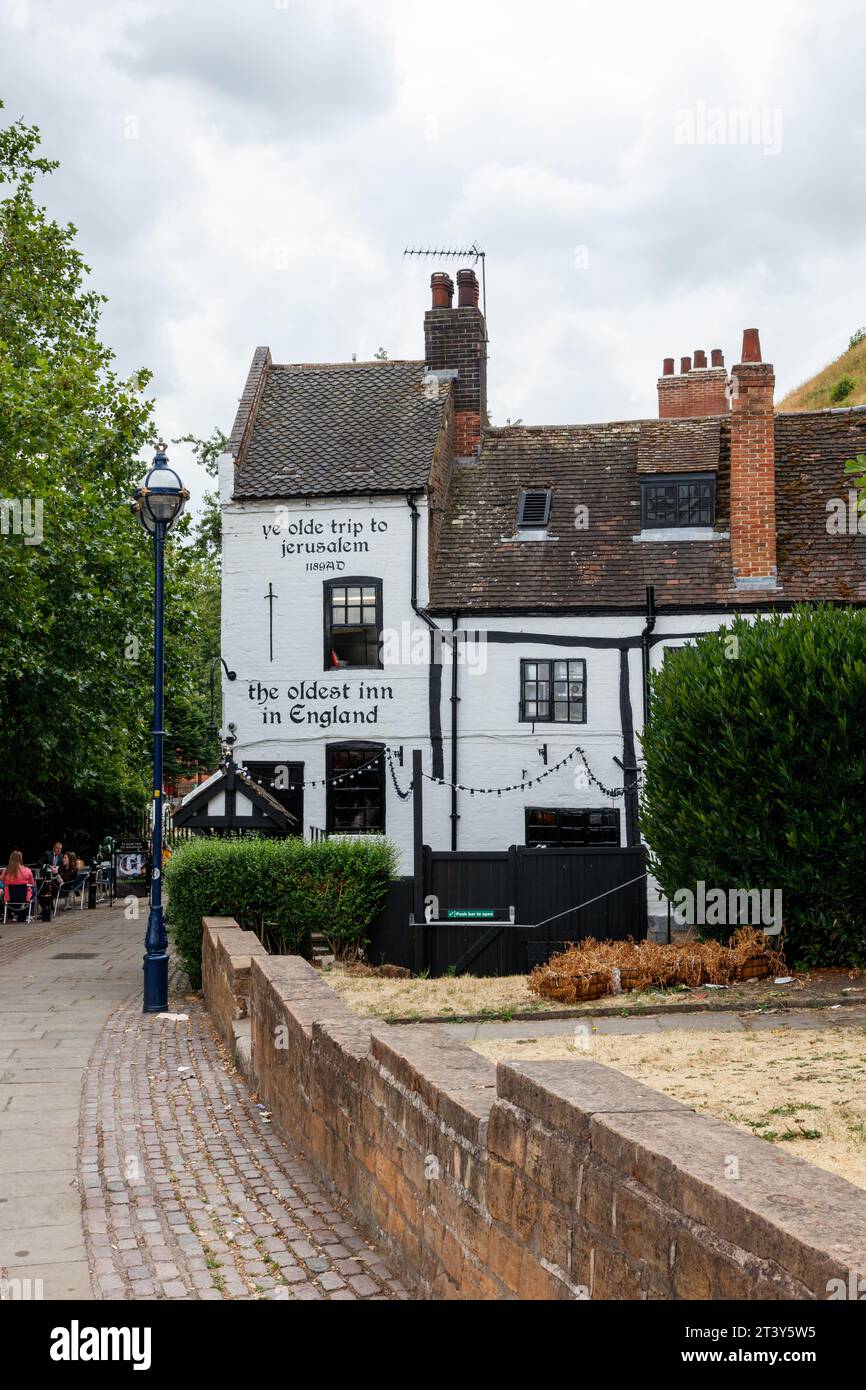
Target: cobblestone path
(139, 1163)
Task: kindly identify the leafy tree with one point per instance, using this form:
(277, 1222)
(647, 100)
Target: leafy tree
(76, 584)
(755, 770)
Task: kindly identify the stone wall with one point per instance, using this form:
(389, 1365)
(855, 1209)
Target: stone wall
(538, 1180)
(225, 969)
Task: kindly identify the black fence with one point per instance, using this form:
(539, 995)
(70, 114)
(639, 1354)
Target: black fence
(489, 913)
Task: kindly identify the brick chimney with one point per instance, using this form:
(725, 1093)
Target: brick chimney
(455, 347)
(753, 469)
(697, 391)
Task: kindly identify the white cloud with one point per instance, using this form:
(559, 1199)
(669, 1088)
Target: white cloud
(244, 173)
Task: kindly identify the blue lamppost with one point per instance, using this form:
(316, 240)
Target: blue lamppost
(158, 504)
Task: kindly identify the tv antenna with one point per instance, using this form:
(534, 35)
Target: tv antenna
(459, 253)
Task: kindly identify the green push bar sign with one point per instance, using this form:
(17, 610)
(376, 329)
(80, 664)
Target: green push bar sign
(470, 914)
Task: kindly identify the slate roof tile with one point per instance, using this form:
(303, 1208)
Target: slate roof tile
(480, 563)
(339, 428)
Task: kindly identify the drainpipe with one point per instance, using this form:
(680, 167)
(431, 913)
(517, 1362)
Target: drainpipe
(410, 498)
(645, 648)
(455, 700)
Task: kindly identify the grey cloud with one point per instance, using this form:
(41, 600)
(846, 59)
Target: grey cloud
(271, 71)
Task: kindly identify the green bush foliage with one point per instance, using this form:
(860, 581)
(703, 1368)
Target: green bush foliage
(283, 890)
(756, 773)
(842, 390)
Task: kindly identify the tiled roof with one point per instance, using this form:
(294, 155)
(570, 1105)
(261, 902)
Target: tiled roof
(354, 427)
(481, 565)
(667, 446)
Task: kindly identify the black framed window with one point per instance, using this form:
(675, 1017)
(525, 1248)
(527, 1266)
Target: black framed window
(571, 829)
(356, 804)
(285, 781)
(553, 691)
(353, 623)
(678, 500)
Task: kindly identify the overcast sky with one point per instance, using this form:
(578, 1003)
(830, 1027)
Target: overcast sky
(250, 171)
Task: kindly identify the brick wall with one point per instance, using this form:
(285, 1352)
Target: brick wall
(440, 479)
(539, 1180)
(455, 338)
(699, 392)
(753, 474)
(225, 969)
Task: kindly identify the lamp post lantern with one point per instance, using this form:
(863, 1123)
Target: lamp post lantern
(158, 504)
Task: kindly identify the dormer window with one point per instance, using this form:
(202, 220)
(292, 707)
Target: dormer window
(533, 509)
(678, 500)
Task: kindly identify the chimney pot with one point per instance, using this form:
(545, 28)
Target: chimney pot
(700, 358)
(717, 357)
(467, 289)
(443, 289)
(685, 365)
(751, 346)
(668, 369)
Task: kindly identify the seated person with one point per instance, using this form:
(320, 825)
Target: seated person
(16, 871)
(51, 859)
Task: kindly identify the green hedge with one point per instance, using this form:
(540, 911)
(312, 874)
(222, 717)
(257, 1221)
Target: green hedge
(756, 773)
(284, 890)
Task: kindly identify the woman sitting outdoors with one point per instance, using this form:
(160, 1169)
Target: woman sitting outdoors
(16, 871)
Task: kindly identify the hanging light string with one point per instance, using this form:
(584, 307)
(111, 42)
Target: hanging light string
(403, 795)
(577, 751)
(294, 785)
(388, 754)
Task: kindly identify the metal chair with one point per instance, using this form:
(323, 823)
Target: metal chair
(77, 888)
(18, 897)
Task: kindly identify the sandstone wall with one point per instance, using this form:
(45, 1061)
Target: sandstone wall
(551, 1180)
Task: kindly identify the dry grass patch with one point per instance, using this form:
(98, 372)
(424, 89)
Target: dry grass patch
(803, 1090)
(450, 996)
(466, 996)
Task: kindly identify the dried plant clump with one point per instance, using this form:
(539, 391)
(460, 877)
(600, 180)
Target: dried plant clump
(595, 967)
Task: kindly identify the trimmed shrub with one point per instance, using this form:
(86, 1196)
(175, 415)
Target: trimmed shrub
(756, 772)
(283, 890)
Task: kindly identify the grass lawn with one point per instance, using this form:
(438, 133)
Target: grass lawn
(451, 997)
(803, 1090)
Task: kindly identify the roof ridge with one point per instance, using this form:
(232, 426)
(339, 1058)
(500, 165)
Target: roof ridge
(370, 362)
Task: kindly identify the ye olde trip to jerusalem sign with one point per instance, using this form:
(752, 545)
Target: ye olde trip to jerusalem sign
(317, 542)
(318, 702)
(305, 537)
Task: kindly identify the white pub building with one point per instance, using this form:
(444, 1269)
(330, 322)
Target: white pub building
(399, 575)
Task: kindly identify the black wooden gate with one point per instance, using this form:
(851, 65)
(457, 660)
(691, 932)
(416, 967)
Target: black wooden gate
(500, 913)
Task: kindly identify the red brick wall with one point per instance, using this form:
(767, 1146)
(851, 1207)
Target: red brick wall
(702, 391)
(455, 338)
(753, 473)
(538, 1180)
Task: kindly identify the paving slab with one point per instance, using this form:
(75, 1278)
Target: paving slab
(134, 1163)
(758, 1021)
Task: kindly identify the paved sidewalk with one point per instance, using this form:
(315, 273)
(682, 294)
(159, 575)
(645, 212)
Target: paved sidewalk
(133, 1161)
(746, 1022)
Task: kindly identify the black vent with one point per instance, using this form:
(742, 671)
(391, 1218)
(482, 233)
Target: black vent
(534, 508)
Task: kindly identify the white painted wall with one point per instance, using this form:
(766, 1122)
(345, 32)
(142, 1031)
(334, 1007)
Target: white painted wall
(279, 720)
